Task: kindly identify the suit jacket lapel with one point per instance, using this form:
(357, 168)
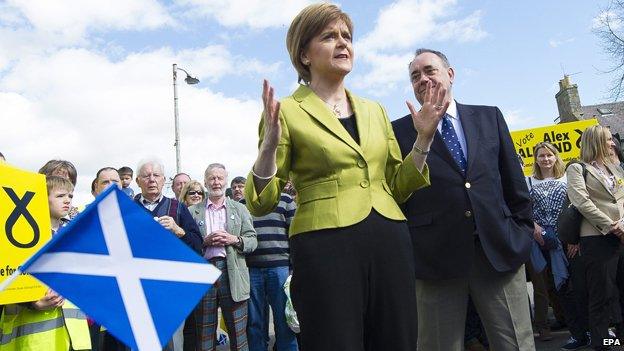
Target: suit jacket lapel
(362, 119)
(471, 128)
(591, 169)
(200, 212)
(317, 108)
(229, 213)
(439, 147)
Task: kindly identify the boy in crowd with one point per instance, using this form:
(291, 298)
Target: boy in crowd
(125, 173)
(22, 322)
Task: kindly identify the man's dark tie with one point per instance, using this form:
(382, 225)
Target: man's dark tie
(452, 143)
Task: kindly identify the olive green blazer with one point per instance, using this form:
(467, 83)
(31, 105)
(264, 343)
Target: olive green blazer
(338, 181)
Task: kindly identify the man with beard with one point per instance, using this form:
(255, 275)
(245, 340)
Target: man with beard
(228, 234)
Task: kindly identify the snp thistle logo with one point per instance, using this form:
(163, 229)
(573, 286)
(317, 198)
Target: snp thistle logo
(611, 342)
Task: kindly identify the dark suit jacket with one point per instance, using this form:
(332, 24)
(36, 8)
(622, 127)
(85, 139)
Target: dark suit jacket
(192, 238)
(491, 202)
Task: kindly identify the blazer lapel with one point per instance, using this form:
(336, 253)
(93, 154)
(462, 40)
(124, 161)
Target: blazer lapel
(591, 169)
(362, 119)
(317, 108)
(439, 147)
(471, 128)
(229, 212)
(200, 213)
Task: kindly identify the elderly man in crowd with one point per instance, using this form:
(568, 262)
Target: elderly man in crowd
(178, 182)
(171, 214)
(228, 234)
(472, 228)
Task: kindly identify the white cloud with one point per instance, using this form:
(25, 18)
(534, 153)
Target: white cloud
(517, 120)
(40, 27)
(73, 18)
(554, 43)
(604, 17)
(386, 71)
(403, 26)
(81, 106)
(404, 23)
(256, 14)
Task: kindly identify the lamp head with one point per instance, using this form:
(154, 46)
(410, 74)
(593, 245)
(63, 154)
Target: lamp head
(191, 80)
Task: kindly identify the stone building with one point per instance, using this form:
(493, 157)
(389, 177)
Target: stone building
(570, 109)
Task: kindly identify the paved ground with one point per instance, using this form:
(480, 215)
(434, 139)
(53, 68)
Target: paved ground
(559, 337)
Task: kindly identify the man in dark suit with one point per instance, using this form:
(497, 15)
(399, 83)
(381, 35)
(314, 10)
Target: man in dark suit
(472, 228)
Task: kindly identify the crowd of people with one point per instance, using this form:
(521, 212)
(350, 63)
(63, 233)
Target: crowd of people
(407, 235)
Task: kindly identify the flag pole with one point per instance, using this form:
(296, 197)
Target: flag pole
(10, 279)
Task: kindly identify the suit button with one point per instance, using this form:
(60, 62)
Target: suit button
(467, 185)
(468, 214)
(361, 163)
(364, 184)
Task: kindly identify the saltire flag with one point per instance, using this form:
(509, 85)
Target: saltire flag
(124, 270)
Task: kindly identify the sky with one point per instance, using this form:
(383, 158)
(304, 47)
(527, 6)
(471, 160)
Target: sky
(91, 81)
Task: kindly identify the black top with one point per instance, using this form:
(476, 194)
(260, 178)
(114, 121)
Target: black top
(349, 124)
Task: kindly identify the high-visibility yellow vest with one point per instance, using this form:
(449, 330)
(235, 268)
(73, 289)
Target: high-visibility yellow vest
(54, 330)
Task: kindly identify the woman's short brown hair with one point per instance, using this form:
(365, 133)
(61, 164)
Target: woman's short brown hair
(594, 144)
(53, 165)
(558, 168)
(308, 24)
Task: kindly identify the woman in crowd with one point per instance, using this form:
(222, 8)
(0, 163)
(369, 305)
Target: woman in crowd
(192, 193)
(353, 281)
(547, 187)
(599, 197)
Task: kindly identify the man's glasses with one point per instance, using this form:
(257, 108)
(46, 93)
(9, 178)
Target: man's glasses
(148, 176)
(195, 192)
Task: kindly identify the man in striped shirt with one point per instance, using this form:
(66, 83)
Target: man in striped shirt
(269, 266)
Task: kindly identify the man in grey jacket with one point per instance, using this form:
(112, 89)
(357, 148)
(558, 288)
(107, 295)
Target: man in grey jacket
(228, 234)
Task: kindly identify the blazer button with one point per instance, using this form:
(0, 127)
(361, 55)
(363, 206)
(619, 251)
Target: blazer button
(467, 185)
(361, 163)
(364, 184)
(468, 214)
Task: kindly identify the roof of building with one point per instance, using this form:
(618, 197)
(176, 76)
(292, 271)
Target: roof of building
(609, 114)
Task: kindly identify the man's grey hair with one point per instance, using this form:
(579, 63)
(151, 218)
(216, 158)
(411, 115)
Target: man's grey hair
(442, 57)
(153, 162)
(213, 166)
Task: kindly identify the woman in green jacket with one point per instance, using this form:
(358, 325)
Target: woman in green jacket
(353, 278)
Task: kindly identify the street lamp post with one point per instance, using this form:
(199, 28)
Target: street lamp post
(188, 80)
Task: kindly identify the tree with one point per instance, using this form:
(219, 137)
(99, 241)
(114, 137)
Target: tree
(609, 27)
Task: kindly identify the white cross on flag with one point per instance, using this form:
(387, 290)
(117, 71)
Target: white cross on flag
(124, 270)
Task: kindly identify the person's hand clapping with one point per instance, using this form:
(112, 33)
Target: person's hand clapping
(272, 125)
(433, 109)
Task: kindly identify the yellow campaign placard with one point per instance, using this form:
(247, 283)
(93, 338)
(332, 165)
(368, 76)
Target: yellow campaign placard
(566, 137)
(24, 229)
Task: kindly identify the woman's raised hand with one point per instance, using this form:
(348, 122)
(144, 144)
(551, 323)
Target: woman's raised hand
(272, 126)
(433, 109)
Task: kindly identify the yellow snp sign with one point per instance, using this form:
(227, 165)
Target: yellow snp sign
(566, 137)
(24, 229)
